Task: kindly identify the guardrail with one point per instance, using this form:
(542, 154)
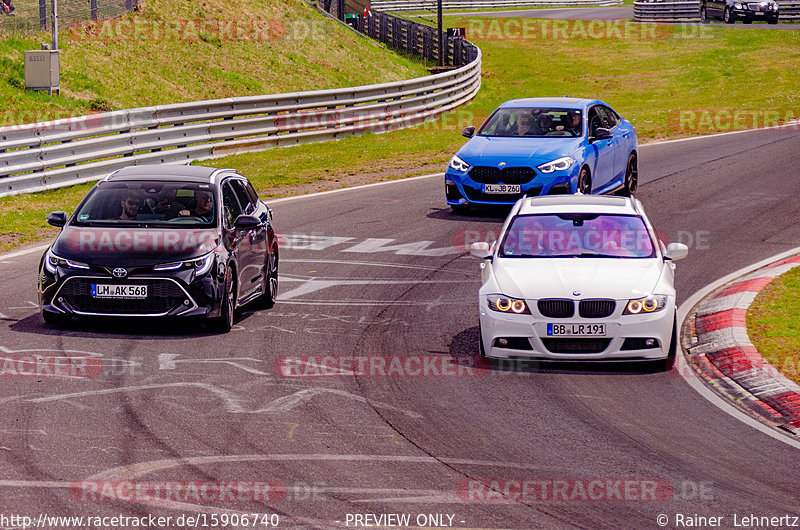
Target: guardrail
(412, 5)
(664, 11)
(37, 14)
(48, 155)
(690, 11)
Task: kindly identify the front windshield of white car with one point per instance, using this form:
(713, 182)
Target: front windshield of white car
(534, 122)
(577, 235)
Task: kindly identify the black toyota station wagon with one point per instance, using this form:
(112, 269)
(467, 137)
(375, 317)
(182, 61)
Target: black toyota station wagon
(162, 241)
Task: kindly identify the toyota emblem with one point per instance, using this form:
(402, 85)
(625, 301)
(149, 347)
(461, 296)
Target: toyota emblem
(119, 272)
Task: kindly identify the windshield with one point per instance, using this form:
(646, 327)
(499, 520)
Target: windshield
(534, 122)
(577, 235)
(189, 204)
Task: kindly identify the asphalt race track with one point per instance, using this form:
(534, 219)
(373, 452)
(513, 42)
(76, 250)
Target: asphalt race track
(381, 270)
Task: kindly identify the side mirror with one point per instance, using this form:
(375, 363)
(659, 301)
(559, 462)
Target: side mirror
(676, 251)
(58, 219)
(602, 134)
(468, 132)
(480, 249)
(246, 222)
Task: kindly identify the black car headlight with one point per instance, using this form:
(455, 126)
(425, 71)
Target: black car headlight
(506, 304)
(200, 265)
(647, 304)
(53, 262)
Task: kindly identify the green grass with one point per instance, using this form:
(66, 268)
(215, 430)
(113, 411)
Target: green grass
(177, 54)
(773, 323)
(649, 80)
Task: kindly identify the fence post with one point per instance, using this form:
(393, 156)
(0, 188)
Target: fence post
(43, 14)
(93, 9)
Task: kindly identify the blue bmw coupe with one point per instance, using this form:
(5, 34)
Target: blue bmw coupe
(543, 146)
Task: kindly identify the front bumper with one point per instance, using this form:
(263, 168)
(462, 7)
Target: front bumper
(761, 13)
(68, 293)
(512, 336)
(460, 189)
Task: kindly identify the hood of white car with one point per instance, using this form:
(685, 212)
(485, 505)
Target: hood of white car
(536, 278)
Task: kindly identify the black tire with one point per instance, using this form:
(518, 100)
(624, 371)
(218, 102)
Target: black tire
(772, 20)
(703, 15)
(53, 319)
(728, 16)
(669, 362)
(631, 183)
(585, 181)
(270, 295)
(224, 322)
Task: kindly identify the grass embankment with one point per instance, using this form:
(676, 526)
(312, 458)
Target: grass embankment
(175, 51)
(669, 81)
(773, 323)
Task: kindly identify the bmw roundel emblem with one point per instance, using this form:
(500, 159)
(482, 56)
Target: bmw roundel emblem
(119, 272)
(501, 164)
(576, 293)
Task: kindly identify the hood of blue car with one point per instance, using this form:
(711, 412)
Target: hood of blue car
(531, 151)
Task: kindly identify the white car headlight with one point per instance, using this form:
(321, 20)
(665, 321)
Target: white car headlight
(458, 164)
(737, 5)
(52, 262)
(648, 304)
(506, 304)
(559, 164)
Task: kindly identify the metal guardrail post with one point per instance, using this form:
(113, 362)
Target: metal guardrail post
(43, 14)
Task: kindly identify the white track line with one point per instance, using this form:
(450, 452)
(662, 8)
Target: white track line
(696, 383)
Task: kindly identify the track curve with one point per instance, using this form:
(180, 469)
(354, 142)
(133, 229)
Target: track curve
(379, 270)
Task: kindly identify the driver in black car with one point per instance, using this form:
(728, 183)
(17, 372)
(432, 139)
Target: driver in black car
(204, 206)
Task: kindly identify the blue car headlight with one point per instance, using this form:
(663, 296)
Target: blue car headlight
(458, 164)
(559, 164)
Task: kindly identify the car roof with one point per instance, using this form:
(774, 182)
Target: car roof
(549, 204)
(167, 172)
(564, 103)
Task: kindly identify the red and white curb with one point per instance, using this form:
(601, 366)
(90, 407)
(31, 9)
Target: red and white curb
(720, 350)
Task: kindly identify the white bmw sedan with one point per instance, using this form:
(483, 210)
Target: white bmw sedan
(578, 277)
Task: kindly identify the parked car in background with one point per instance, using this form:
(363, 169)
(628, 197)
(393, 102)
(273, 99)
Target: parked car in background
(731, 10)
(543, 146)
(162, 241)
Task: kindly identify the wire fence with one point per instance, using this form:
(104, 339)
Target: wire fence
(37, 15)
